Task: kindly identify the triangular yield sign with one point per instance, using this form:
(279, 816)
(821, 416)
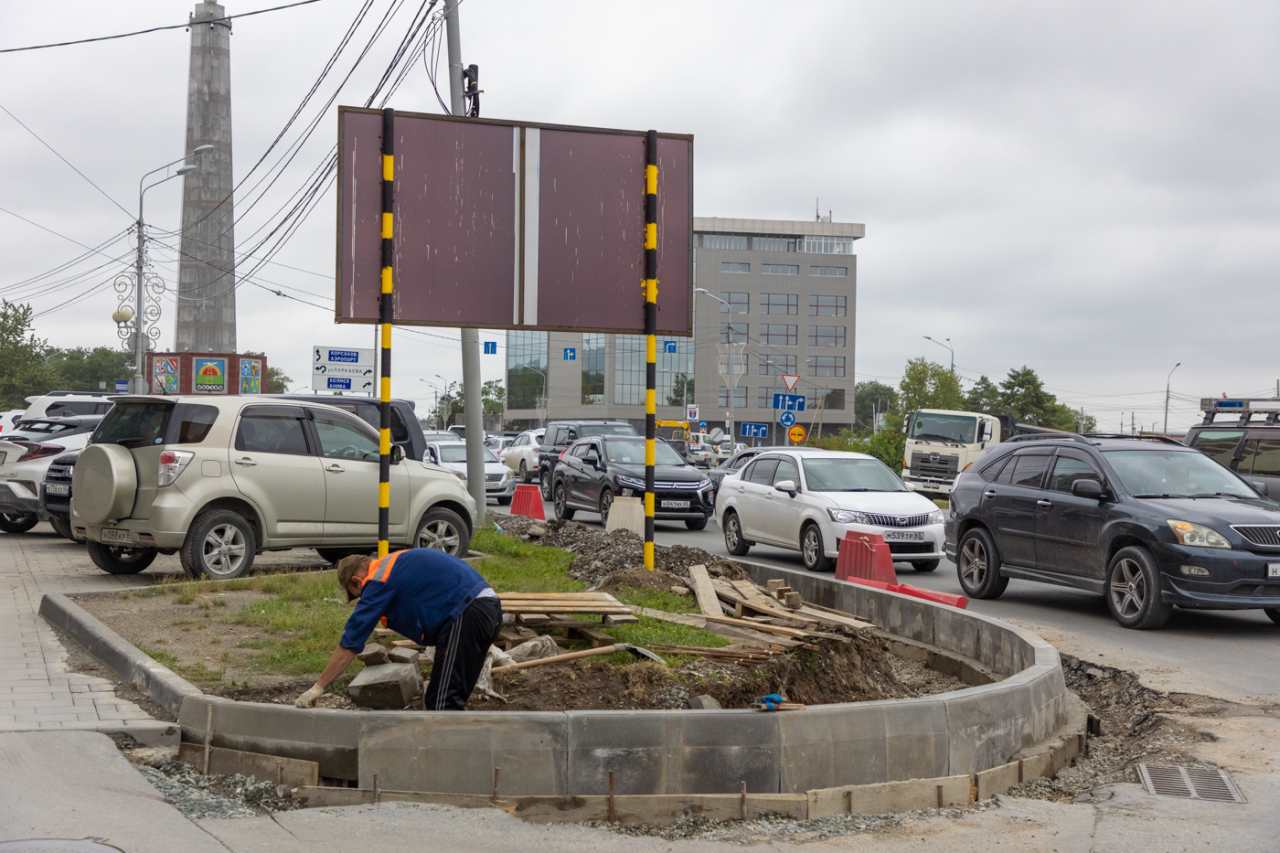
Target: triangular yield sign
(790, 381)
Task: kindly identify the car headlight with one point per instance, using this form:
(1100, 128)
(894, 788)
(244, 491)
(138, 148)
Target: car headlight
(1197, 535)
(461, 476)
(704, 483)
(848, 516)
(936, 517)
(631, 482)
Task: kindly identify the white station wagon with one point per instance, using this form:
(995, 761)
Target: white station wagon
(808, 499)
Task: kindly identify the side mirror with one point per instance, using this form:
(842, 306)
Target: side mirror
(397, 454)
(593, 461)
(1088, 489)
(788, 486)
(1261, 487)
(911, 487)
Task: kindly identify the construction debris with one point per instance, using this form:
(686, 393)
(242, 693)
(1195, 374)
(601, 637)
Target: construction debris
(389, 686)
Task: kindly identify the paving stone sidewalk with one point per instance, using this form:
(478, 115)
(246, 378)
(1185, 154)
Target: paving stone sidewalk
(37, 692)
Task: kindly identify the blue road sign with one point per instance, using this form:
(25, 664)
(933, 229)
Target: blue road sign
(755, 430)
(669, 346)
(337, 383)
(788, 419)
(702, 424)
(789, 402)
(122, 386)
(570, 353)
(490, 347)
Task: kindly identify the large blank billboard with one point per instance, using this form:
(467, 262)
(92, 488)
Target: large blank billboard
(512, 225)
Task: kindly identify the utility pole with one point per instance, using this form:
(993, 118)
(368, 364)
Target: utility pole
(1167, 380)
(473, 417)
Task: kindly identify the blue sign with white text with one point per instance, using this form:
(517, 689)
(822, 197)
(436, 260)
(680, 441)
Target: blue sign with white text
(337, 383)
(122, 386)
(344, 356)
(490, 347)
(570, 353)
(788, 419)
(789, 402)
(755, 431)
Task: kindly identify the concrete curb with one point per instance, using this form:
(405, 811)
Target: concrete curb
(159, 682)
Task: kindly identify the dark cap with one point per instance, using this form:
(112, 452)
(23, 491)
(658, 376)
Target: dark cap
(348, 567)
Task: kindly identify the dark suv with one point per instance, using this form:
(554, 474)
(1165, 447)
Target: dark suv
(1244, 435)
(1147, 523)
(561, 434)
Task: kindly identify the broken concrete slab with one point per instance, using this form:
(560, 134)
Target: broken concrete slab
(704, 703)
(373, 655)
(386, 686)
(403, 656)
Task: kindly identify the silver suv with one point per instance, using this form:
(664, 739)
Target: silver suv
(218, 480)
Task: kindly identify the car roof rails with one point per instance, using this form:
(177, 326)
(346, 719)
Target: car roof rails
(1048, 437)
(1164, 439)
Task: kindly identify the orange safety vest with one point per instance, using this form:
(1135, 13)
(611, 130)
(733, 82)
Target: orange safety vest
(380, 572)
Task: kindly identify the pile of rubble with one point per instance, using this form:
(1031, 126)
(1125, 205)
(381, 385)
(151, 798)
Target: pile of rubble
(601, 554)
(198, 796)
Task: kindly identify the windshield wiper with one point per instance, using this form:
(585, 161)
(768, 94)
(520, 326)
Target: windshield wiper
(860, 490)
(1164, 496)
(936, 437)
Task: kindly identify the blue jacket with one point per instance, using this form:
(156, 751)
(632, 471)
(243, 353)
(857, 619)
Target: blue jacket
(423, 593)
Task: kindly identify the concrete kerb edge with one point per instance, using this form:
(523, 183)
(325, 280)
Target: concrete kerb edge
(265, 725)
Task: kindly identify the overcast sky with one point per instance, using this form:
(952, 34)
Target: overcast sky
(1089, 189)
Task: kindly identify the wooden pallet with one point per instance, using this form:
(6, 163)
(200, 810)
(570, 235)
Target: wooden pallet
(544, 608)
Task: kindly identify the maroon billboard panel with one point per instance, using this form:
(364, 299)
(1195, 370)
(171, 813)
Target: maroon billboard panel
(506, 225)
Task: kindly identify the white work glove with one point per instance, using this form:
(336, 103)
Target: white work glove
(308, 699)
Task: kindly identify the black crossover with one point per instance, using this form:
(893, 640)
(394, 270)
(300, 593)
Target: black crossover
(1148, 523)
(595, 470)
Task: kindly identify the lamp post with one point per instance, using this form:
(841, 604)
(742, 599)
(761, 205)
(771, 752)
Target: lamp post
(730, 380)
(138, 317)
(948, 346)
(435, 401)
(1168, 379)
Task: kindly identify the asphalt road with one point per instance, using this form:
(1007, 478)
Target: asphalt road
(1233, 655)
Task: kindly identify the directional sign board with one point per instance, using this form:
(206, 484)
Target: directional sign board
(122, 386)
(490, 347)
(788, 419)
(790, 380)
(342, 369)
(755, 430)
(789, 402)
(570, 353)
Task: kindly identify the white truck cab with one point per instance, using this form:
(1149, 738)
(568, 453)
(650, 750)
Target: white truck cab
(942, 443)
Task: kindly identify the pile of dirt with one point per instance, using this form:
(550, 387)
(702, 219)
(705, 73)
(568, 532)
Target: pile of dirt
(601, 554)
(641, 578)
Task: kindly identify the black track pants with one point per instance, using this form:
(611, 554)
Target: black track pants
(460, 652)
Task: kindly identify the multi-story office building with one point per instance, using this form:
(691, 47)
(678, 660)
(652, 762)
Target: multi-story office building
(773, 298)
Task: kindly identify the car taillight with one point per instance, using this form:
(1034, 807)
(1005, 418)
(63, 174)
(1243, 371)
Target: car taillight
(38, 450)
(172, 464)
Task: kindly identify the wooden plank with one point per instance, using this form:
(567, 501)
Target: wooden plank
(559, 596)
(708, 602)
(408, 644)
(782, 706)
(290, 772)
(834, 617)
(594, 636)
(795, 633)
(736, 631)
(615, 619)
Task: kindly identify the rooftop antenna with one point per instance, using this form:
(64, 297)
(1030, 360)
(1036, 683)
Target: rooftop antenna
(817, 211)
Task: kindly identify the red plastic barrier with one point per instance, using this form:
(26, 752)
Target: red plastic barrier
(866, 556)
(528, 502)
(887, 587)
(929, 595)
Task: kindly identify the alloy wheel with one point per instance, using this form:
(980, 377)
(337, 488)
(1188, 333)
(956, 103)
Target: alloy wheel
(606, 504)
(224, 550)
(1128, 589)
(810, 547)
(973, 563)
(440, 535)
(731, 532)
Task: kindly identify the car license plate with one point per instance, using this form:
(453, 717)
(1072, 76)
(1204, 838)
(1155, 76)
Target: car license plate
(675, 504)
(904, 536)
(1273, 570)
(110, 534)
(57, 489)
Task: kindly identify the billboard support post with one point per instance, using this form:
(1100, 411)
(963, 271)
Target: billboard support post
(384, 317)
(651, 334)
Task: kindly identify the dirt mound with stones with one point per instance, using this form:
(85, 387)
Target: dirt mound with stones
(602, 554)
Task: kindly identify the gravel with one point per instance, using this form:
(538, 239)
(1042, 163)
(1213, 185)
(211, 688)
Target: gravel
(198, 796)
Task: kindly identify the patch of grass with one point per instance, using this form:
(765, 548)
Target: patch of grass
(160, 656)
(658, 599)
(514, 565)
(304, 619)
(187, 595)
(146, 592)
(219, 602)
(184, 622)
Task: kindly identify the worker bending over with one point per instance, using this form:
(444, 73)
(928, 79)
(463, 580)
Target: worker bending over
(430, 597)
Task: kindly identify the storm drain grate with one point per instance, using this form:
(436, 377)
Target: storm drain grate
(1192, 783)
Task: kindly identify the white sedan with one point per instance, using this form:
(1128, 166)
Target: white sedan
(806, 500)
(25, 455)
(521, 455)
(499, 483)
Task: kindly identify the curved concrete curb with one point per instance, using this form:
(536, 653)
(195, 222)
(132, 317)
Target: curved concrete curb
(677, 752)
(159, 682)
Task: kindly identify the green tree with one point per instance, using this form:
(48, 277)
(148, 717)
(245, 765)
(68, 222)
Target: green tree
(871, 398)
(887, 445)
(23, 372)
(493, 396)
(928, 385)
(984, 397)
(1023, 398)
(83, 369)
(681, 390)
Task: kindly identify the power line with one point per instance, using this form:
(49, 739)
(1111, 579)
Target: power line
(156, 29)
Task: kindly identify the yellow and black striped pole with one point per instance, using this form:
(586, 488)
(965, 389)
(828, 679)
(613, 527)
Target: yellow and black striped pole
(384, 318)
(650, 333)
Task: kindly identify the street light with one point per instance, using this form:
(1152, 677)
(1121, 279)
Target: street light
(731, 380)
(1167, 380)
(948, 346)
(139, 330)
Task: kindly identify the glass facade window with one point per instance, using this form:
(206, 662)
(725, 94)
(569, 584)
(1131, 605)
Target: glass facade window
(826, 398)
(826, 365)
(593, 369)
(526, 369)
(721, 241)
(836, 271)
(826, 336)
(734, 266)
(733, 333)
(775, 243)
(739, 398)
(776, 365)
(780, 269)
(779, 303)
(674, 377)
(828, 245)
(629, 369)
(827, 306)
(739, 303)
(777, 335)
(764, 397)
